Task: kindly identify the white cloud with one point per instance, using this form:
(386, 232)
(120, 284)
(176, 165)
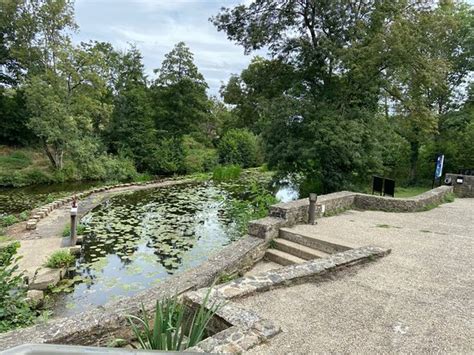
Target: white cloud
(155, 26)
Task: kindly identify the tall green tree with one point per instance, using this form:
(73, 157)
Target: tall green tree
(179, 93)
(132, 131)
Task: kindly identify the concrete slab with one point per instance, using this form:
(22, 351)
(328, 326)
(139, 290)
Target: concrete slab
(418, 299)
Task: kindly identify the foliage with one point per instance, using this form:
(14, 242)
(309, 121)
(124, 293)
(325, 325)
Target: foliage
(79, 230)
(60, 259)
(172, 327)
(197, 157)
(14, 309)
(255, 203)
(224, 173)
(240, 147)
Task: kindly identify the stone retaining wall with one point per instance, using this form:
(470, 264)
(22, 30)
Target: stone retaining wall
(101, 325)
(291, 213)
(464, 189)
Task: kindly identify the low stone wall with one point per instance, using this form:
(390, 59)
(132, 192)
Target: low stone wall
(464, 189)
(291, 213)
(239, 329)
(101, 325)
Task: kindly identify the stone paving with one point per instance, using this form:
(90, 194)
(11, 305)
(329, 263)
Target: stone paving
(418, 299)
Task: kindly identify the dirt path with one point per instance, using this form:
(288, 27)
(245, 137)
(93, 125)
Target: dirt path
(418, 299)
(38, 244)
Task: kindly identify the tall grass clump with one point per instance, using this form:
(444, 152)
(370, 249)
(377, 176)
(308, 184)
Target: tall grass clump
(224, 173)
(173, 328)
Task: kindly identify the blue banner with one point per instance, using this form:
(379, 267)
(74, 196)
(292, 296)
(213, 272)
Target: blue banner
(439, 166)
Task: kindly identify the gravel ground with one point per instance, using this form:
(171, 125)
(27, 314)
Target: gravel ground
(418, 299)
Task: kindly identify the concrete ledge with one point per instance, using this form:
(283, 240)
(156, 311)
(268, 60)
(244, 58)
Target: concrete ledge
(100, 325)
(239, 329)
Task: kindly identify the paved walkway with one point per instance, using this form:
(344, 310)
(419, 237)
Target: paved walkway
(418, 299)
(38, 244)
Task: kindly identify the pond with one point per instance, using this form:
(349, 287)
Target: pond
(134, 241)
(17, 200)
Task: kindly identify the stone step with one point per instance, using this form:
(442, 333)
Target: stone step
(321, 243)
(298, 250)
(282, 258)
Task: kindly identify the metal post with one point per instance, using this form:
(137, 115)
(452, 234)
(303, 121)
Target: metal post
(74, 222)
(312, 208)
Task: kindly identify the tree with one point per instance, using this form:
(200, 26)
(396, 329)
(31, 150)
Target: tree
(132, 131)
(346, 59)
(179, 94)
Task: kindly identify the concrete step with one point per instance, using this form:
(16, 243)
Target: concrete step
(282, 258)
(298, 250)
(321, 243)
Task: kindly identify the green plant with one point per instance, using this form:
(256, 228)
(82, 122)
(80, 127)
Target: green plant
(172, 328)
(8, 220)
(272, 244)
(14, 309)
(224, 277)
(224, 173)
(449, 197)
(79, 230)
(60, 259)
(241, 147)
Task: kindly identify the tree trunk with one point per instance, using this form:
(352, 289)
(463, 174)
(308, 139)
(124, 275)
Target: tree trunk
(50, 156)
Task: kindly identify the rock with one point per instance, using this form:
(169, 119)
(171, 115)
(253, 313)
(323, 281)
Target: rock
(31, 224)
(45, 277)
(35, 297)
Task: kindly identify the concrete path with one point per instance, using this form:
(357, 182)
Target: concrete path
(418, 299)
(37, 245)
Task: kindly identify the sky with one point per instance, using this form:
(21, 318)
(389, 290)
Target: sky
(155, 26)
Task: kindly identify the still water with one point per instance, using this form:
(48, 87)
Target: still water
(134, 241)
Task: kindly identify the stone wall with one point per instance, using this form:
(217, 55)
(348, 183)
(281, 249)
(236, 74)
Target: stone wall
(294, 212)
(101, 325)
(464, 189)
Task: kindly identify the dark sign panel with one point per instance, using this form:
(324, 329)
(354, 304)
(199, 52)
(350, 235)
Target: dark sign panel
(389, 187)
(377, 185)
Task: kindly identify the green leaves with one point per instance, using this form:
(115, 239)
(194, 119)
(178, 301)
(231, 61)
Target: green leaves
(173, 328)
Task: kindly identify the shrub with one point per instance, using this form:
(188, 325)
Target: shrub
(14, 309)
(173, 328)
(60, 259)
(197, 157)
(223, 173)
(241, 147)
(8, 220)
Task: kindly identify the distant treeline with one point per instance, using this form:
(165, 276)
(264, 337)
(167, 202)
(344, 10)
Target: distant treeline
(351, 89)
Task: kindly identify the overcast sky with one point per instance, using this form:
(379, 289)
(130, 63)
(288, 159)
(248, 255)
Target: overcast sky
(155, 26)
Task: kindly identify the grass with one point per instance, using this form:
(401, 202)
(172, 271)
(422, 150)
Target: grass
(383, 225)
(410, 191)
(60, 259)
(225, 173)
(173, 327)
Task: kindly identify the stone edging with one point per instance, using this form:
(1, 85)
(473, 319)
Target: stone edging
(100, 325)
(41, 212)
(294, 212)
(239, 329)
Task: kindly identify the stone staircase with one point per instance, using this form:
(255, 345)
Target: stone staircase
(295, 247)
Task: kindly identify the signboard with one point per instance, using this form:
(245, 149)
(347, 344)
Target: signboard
(377, 185)
(439, 166)
(389, 187)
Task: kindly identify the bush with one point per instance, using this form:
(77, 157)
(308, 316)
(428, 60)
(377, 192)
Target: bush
(166, 158)
(79, 231)
(60, 259)
(241, 147)
(14, 309)
(223, 173)
(197, 157)
(8, 220)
